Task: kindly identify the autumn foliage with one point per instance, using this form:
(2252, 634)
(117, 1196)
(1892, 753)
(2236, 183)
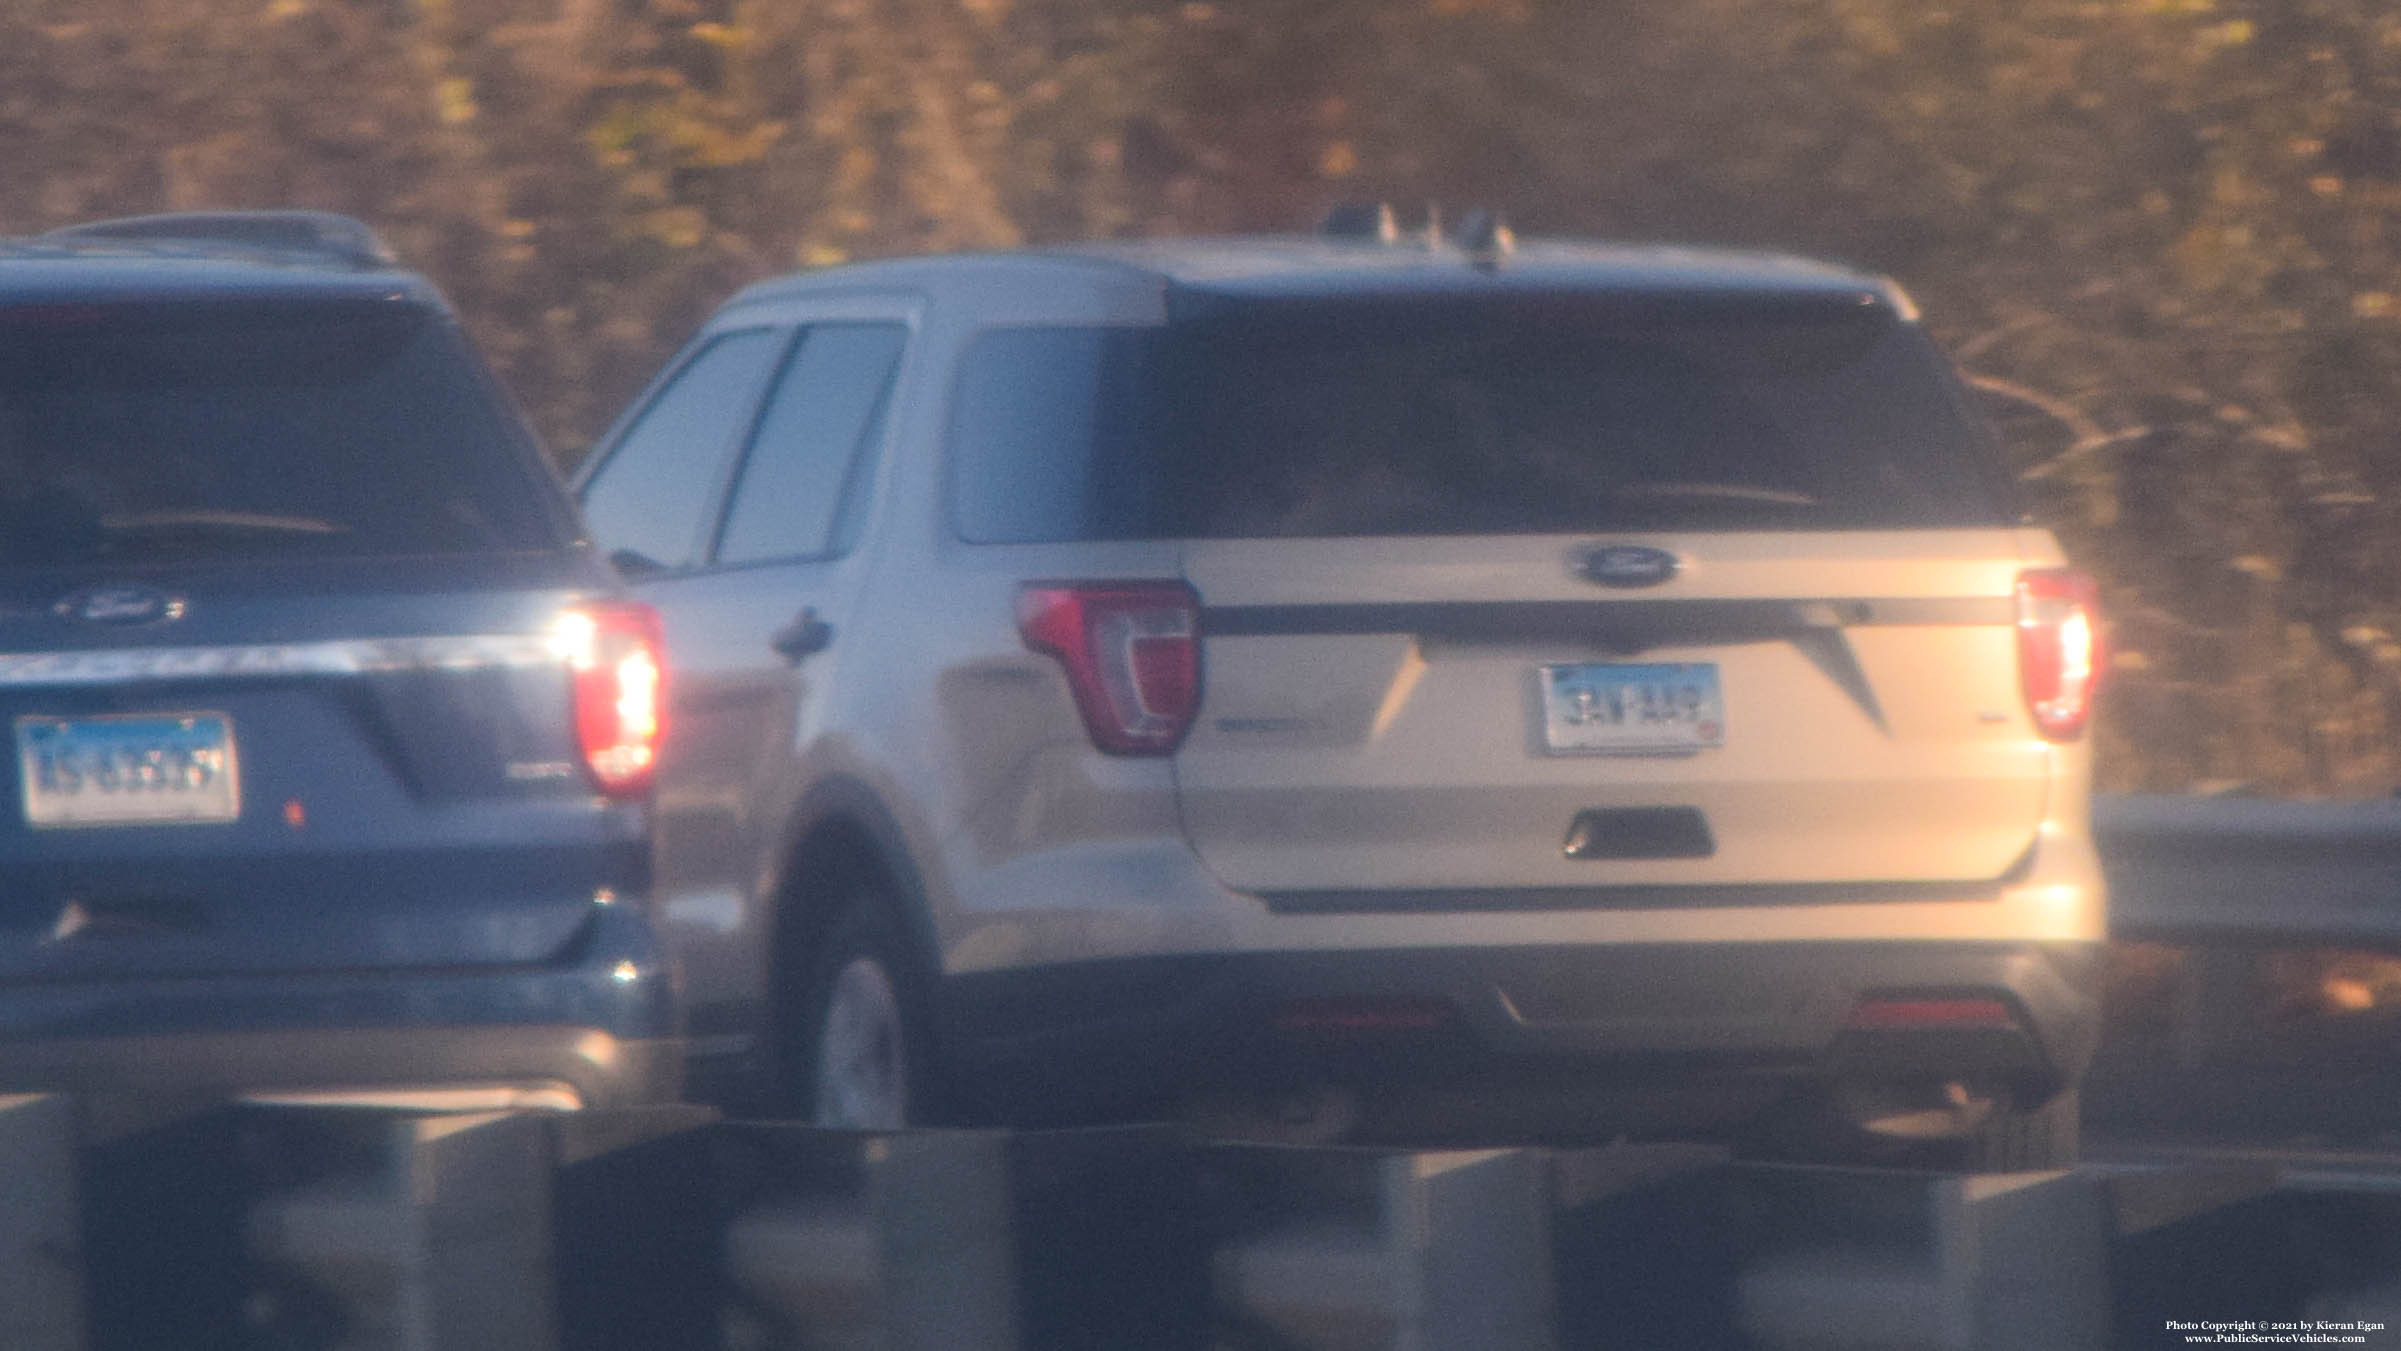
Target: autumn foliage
(2160, 233)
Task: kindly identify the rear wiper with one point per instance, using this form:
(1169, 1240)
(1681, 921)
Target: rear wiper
(217, 522)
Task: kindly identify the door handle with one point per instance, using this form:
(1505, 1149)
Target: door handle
(804, 635)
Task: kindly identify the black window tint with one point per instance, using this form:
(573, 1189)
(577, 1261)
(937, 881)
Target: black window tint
(1030, 407)
(813, 451)
(216, 428)
(1557, 414)
(649, 497)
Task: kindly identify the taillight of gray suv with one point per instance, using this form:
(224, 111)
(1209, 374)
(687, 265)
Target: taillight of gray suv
(330, 743)
(1442, 688)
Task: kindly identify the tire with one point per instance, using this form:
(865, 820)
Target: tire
(2026, 1139)
(855, 1055)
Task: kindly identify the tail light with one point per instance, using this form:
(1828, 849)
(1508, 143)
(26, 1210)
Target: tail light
(2059, 649)
(616, 657)
(1132, 653)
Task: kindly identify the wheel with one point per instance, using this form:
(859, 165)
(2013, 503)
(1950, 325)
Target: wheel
(2026, 1139)
(855, 1055)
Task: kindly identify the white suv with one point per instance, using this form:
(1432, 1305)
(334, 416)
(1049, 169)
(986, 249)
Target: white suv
(1607, 688)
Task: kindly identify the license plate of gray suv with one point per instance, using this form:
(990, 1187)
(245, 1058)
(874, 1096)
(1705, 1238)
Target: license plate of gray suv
(145, 769)
(1609, 708)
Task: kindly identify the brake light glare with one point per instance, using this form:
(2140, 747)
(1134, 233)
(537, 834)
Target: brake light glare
(1131, 651)
(2059, 649)
(616, 659)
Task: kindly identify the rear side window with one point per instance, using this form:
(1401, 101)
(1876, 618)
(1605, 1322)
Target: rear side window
(646, 503)
(803, 485)
(1434, 416)
(147, 431)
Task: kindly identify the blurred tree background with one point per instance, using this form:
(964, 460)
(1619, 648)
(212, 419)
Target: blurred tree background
(2160, 234)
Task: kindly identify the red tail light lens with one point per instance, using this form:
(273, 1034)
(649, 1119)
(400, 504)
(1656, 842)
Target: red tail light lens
(2059, 649)
(616, 657)
(1132, 653)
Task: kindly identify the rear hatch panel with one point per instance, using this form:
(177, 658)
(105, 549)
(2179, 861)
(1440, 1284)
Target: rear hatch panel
(1397, 497)
(409, 790)
(1375, 720)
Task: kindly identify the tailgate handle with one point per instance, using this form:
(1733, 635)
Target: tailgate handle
(804, 635)
(1639, 832)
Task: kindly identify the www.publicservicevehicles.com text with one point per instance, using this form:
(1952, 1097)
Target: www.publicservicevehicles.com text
(2254, 1332)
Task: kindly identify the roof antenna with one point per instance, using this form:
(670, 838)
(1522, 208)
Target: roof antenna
(1432, 235)
(1363, 221)
(1486, 238)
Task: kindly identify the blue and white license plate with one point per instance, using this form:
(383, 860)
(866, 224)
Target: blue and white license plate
(1610, 709)
(128, 770)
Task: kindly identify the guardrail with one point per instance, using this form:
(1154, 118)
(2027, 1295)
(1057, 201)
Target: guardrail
(2234, 870)
(2233, 879)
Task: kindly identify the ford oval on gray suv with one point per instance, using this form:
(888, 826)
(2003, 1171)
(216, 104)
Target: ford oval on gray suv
(1440, 688)
(329, 742)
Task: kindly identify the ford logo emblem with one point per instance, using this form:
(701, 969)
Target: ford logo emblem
(121, 605)
(1626, 565)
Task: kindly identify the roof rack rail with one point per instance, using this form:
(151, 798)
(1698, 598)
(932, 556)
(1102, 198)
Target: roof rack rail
(317, 234)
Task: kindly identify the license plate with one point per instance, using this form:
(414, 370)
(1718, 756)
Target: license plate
(1632, 710)
(144, 769)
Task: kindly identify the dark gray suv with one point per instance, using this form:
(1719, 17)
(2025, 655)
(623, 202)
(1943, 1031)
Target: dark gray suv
(330, 740)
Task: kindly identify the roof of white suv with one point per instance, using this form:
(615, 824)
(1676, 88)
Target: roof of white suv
(1305, 265)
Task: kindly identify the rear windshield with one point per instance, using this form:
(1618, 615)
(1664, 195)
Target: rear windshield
(1443, 417)
(136, 432)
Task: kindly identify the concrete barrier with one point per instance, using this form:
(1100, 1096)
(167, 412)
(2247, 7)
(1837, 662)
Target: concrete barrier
(860, 1242)
(352, 1229)
(1888, 1261)
(1366, 1250)
(943, 1239)
(415, 1233)
(1644, 1246)
(165, 1188)
(371, 1229)
(41, 1239)
(635, 1226)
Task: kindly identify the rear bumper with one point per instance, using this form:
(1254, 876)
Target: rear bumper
(600, 1025)
(1778, 1009)
(431, 1066)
